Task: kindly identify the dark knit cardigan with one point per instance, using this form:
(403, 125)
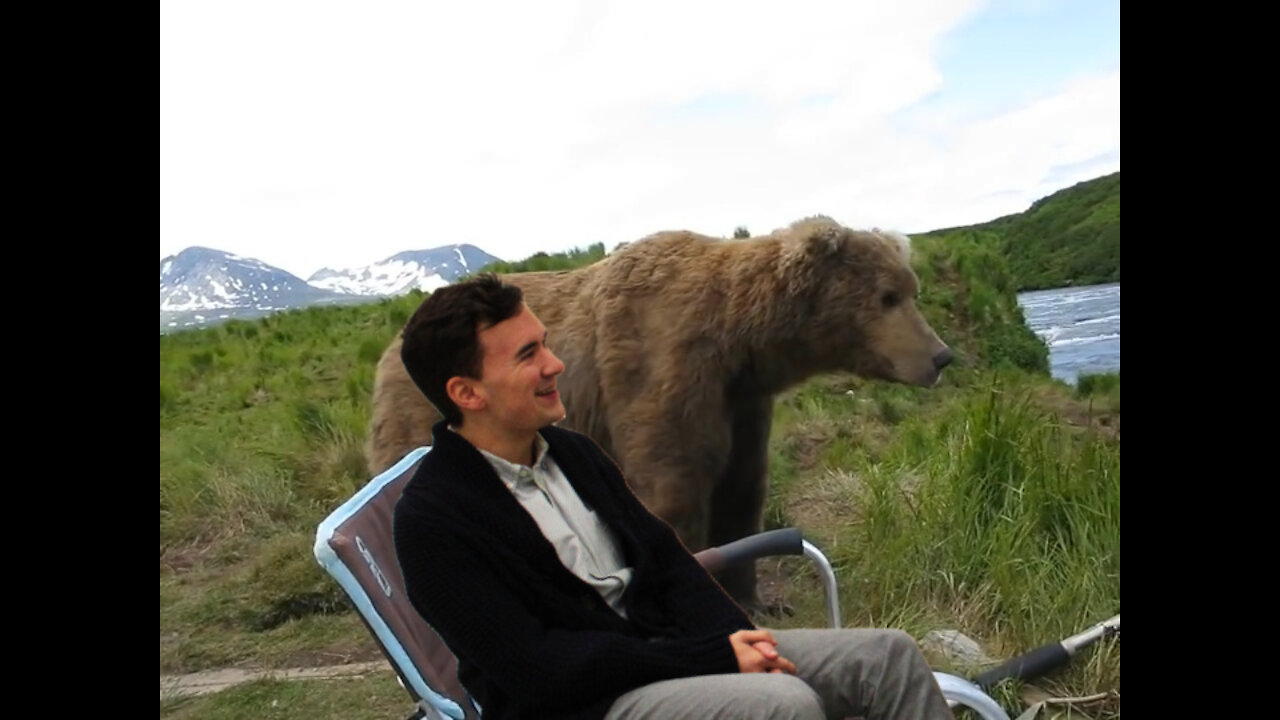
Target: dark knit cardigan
(531, 638)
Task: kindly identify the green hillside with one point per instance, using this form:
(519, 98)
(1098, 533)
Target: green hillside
(1069, 238)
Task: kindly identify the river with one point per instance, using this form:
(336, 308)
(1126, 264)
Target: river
(1081, 326)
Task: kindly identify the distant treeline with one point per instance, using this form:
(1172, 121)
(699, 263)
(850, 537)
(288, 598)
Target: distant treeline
(541, 261)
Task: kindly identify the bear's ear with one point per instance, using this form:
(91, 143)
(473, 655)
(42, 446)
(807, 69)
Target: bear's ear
(825, 242)
(812, 246)
(901, 242)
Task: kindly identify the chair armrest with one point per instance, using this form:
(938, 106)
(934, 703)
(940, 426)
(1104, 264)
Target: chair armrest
(783, 541)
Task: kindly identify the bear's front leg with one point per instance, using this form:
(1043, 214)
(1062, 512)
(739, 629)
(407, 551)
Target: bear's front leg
(737, 502)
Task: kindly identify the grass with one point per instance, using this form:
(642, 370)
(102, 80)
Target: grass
(989, 504)
(975, 509)
(983, 510)
(1103, 390)
(377, 696)
(263, 604)
(262, 431)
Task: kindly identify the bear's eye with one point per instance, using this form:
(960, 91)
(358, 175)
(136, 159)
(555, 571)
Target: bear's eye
(890, 299)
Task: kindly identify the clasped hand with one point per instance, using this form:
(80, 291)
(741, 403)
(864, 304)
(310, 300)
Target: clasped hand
(756, 653)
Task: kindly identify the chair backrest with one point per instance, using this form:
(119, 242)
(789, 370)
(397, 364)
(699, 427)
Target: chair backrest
(354, 544)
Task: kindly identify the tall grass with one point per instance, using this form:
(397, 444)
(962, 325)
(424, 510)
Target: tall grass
(991, 506)
(990, 516)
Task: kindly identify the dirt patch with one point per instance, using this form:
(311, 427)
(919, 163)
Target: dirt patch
(1078, 413)
(805, 442)
(823, 502)
(771, 584)
(333, 655)
(1105, 423)
(211, 681)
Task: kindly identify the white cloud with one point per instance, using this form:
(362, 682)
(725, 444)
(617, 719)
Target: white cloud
(314, 134)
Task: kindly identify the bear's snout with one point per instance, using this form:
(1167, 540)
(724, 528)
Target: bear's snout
(943, 359)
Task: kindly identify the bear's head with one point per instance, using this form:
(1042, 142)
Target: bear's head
(858, 298)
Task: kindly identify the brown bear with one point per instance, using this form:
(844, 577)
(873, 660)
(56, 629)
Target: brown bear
(675, 346)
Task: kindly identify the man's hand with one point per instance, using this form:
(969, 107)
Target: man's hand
(756, 653)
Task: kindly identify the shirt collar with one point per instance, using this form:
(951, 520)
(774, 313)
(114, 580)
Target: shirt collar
(513, 474)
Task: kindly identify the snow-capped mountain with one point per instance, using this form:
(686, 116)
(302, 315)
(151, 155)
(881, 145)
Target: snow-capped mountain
(199, 284)
(425, 270)
(204, 279)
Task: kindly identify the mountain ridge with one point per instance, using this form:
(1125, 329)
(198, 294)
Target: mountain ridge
(202, 285)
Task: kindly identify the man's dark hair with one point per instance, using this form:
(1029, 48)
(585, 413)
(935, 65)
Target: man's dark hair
(441, 339)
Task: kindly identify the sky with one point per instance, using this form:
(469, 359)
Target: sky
(312, 134)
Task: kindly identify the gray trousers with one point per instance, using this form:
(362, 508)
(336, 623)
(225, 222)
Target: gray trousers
(846, 673)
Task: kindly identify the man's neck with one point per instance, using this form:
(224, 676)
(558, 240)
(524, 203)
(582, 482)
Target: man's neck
(518, 449)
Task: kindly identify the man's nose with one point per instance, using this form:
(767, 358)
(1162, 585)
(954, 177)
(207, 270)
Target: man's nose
(555, 367)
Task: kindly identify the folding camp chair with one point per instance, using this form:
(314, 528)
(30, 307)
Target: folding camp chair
(354, 545)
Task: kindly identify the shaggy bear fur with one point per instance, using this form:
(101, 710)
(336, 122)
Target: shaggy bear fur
(675, 346)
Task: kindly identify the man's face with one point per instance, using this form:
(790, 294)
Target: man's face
(519, 374)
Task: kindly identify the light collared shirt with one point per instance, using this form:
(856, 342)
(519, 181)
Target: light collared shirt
(584, 543)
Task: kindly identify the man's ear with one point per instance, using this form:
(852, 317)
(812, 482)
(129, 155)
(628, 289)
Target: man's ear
(465, 393)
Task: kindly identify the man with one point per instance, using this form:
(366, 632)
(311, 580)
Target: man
(561, 595)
